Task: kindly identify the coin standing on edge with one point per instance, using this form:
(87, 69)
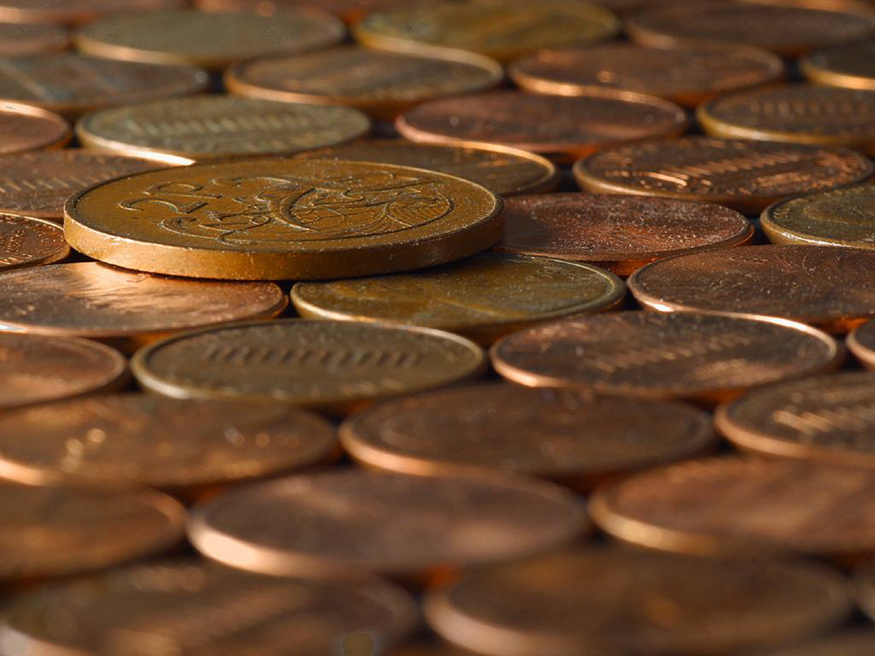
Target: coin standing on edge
(850, 66)
(27, 241)
(24, 128)
(74, 11)
(861, 342)
(29, 39)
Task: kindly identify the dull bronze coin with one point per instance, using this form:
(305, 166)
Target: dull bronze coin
(29, 39)
(26, 241)
(861, 342)
(850, 66)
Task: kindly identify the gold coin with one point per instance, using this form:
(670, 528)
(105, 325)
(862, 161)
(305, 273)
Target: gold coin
(383, 84)
(207, 127)
(859, 642)
(333, 365)
(26, 241)
(482, 297)
(861, 342)
(850, 66)
(74, 11)
(271, 219)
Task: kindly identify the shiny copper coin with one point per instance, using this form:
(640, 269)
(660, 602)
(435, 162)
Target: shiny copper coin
(819, 285)
(640, 603)
(850, 66)
(75, 11)
(686, 76)
(745, 175)
(861, 342)
(555, 126)
(26, 241)
(28, 39)
(662, 355)
(24, 128)
(339, 524)
(859, 642)
(618, 233)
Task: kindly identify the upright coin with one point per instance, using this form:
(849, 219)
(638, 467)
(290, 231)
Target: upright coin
(74, 11)
(266, 219)
(684, 355)
(29, 39)
(26, 242)
(482, 297)
(847, 643)
(207, 127)
(338, 524)
(850, 66)
(745, 175)
(350, 11)
(24, 128)
(618, 233)
(861, 342)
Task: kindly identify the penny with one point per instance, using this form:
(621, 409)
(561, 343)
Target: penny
(74, 11)
(27, 242)
(340, 524)
(686, 76)
(848, 66)
(482, 297)
(383, 84)
(557, 126)
(819, 285)
(350, 11)
(848, 643)
(664, 355)
(24, 128)
(212, 41)
(618, 233)
(206, 127)
(861, 342)
(745, 175)
(28, 39)
(176, 606)
(299, 219)
(331, 365)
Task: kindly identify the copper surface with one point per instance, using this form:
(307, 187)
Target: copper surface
(26, 241)
(24, 128)
(75, 11)
(350, 11)
(852, 642)
(851, 66)
(861, 342)
(28, 39)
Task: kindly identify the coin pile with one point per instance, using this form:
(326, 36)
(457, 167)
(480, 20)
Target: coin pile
(393, 328)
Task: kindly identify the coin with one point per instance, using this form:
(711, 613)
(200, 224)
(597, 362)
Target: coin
(74, 11)
(861, 342)
(206, 127)
(618, 233)
(28, 39)
(663, 355)
(506, 171)
(350, 11)
(27, 242)
(635, 602)
(745, 175)
(823, 286)
(864, 583)
(198, 609)
(24, 128)
(848, 66)
(686, 76)
(383, 84)
(848, 643)
(212, 41)
(482, 297)
(340, 524)
(266, 219)
(555, 126)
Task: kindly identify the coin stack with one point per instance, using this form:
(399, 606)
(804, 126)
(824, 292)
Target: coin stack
(486, 327)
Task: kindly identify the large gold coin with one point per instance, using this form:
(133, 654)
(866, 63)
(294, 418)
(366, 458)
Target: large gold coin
(851, 66)
(292, 218)
(26, 241)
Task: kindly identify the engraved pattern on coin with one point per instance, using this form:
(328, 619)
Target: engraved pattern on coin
(26, 241)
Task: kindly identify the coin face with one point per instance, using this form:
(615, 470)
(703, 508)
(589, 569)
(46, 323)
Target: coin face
(745, 175)
(619, 233)
(167, 603)
(299, 219)
(26, 242)
(74, 11)
(383, 84)
(24, 128)
(663, 355)
(207, 127)
(481, 297)
(850, 66)
(342, 523)
(212, 41)
(861, 342)
(557, 126)
(819, 285)
(350, 11)
(637, 602)
(28, 39)
(848, 643)
(686, 76)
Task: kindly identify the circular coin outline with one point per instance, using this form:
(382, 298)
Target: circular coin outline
(48, 258)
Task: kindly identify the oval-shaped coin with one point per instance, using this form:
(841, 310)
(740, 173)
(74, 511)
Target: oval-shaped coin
(618, 233)
(745, 175)
(268, 219)
(859, 642)
(662, 355)
(481, 297)
(29, 39)
(686, 76)
(26, 241)
(24, 128)
(342, 524)
(383, 84)
(634, 602)
(74, 11)
(208, 127)
(824, 286)
(850, 66)
(861, 342)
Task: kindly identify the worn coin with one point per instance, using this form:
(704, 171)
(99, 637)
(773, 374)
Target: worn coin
(28, 39)
(861, 342)
(74, 11)
(664, 355)
(350, 11)
(859, 642)
(24, 128)
(26, 241)
(850, 66)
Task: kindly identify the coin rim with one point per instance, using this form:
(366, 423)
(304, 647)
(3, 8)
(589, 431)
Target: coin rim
(863, 354)
(826, 76)
(52, 258)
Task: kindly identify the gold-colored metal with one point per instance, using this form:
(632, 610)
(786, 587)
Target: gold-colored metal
(27, 241)
(850, 66)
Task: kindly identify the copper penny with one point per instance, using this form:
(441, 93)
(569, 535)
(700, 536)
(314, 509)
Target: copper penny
(24, 128)
(26, 241)
(686, 76)
(861, 342)
(633, 602)
(847, 643)
(618, 233)
(350, 11)
(74, 11)
(850, 66)
(28, 39)
(341, 524)
(819, 285)
(745, 175)
(663, 355)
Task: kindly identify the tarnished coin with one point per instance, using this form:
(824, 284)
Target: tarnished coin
(847, 643)
(481, 297)
(338, 524)
(623, 601)
(28, 39)
(686, 76)
(663, 355)
(26, 241)
(851, 66)
(74, 11)
(199, 609)
(745, 175)
(207, 127)
(618, 233)
(24, 128)
(383, 84)
(831, 288)
(269, 219)
(861, 342)
(332, 365)
(212, 41)
(556, 126)
(350, 11)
